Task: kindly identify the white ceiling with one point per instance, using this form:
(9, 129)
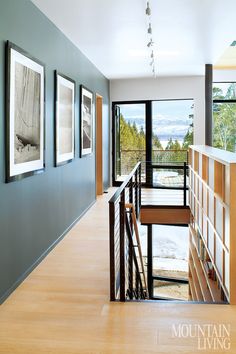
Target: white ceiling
(113, 33)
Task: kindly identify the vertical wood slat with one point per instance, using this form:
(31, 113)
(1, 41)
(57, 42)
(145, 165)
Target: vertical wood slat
(232, 247)
(185, 184)
(131, 275)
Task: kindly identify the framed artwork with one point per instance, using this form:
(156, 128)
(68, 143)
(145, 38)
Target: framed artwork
(86, 121)
(25, 81)
(64, 119)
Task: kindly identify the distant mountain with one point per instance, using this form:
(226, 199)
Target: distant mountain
(165, 129)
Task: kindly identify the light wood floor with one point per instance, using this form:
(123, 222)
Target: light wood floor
(63, 306)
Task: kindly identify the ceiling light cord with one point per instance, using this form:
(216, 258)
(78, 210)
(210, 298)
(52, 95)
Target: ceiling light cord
(149, 28)
(148, 9)
(150, 43)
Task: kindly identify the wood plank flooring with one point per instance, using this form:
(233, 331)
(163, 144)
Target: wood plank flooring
(63, 306)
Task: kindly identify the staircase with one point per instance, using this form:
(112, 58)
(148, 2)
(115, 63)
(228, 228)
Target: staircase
(128, 276)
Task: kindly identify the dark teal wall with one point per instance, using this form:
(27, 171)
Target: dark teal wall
(36, 211)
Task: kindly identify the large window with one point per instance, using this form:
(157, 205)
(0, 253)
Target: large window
(130, 137)
(172, 124)
(152, 131)
(224, 115)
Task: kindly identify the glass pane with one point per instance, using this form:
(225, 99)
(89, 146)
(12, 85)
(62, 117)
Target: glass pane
(132, 137)
(170, 260)
(168, 178)
(224, 126)
(172, 126)
(170, 251)
(224, 91)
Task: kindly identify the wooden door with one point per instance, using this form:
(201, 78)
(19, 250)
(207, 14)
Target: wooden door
(99, 152)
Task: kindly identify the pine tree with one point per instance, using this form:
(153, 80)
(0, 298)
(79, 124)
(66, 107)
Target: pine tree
(224, 116)
(156, 143)
(188, 139)
(170, 144)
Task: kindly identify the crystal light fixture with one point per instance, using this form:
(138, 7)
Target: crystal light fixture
(150, 43)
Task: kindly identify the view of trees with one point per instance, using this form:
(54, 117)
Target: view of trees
(224, 117)
(133, 143)
(133, 146)
(132, 139)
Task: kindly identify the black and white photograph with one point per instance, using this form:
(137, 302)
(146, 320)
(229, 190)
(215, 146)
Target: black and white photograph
(64, 119)
(25, 114)
(86, 97)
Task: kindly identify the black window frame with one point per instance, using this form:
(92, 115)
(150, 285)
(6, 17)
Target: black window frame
(220, 101)
(148, 125)
(226, 100)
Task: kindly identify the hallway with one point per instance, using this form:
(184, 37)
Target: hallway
(63, 306)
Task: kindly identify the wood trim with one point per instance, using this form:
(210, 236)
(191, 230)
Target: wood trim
(232, 279)
(219, 179)
(196, 285)
(205, 168)
(99, 146)
(165, 215)
(220, 219)
(200, 275)
(212, 286)
(224, 67)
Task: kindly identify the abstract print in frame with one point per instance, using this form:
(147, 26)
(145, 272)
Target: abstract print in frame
(86, 121)
(24, 114)
(64, 119)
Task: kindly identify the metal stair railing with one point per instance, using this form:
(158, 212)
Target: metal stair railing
(125, 277)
